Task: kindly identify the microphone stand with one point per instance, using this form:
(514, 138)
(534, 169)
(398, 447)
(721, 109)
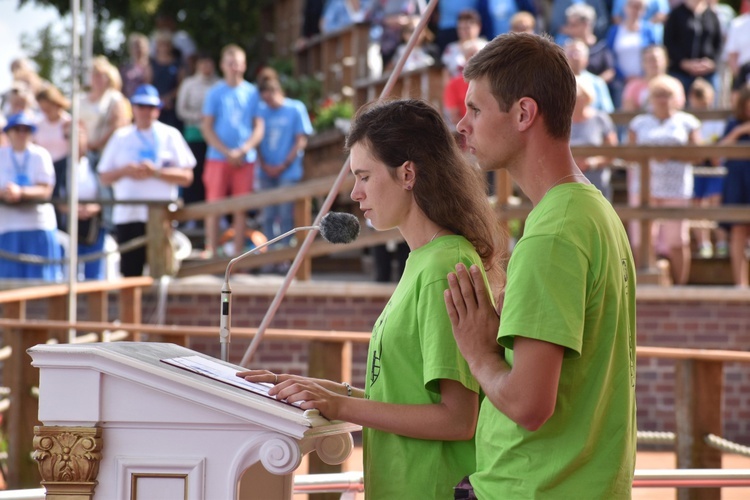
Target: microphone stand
(226, 291)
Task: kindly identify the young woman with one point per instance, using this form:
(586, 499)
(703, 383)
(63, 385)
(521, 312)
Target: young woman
(420, 403)
(49, 135)
(27, 175)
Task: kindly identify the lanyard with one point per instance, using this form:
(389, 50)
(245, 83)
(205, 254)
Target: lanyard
(150, 146)
(22, 170)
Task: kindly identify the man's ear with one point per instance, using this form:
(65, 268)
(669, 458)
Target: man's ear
(528, 111)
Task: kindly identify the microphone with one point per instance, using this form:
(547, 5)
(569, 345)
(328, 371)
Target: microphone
(334, 227)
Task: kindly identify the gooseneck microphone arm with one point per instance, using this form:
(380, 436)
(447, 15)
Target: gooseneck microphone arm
(226, 291)
(334, 227)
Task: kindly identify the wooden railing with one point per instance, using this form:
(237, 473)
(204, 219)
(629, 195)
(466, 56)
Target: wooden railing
(698, 397)
(638, 157)
(337, 59)
(698, 383)
(304, 193)
(423, 83)
(18, 374)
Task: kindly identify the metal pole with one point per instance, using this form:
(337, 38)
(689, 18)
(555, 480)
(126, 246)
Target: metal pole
(72, 176)
(332, 194)
(88, 41)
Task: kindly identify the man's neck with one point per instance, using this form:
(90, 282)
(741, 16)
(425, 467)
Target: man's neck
(233, 81)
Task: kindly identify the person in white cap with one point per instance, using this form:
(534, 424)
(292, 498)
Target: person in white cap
(147, 160)
(27, 177)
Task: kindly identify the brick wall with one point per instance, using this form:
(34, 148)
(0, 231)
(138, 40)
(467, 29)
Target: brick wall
(689, 317)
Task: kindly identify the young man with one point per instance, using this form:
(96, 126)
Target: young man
(558, 366)
(145, 160)
(287, 126)
(232, 129)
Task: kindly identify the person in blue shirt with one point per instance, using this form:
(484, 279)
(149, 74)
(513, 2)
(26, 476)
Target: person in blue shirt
(500, 13)
(232, 129)
(340, 14)
(577, 53)
(287, 126)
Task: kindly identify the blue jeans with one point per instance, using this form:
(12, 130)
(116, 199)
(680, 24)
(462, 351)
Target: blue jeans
(277, 219)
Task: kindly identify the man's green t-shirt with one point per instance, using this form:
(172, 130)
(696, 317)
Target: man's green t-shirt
(571, 282)
(411, 350)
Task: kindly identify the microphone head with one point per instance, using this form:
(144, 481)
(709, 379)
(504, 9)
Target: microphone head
(339, 227)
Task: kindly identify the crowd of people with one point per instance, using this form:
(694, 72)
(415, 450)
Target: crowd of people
(160, 127)
(242, 135)
(619, 51)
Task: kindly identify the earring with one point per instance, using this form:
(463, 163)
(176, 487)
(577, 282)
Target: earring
(408, 188)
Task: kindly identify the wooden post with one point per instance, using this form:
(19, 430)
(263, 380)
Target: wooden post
(647, 257)
(130, 308)
(98, 306)
(158, 247)
(698, 396)
(57, 309)
(332, 361)
(23, 411)
(303, 216)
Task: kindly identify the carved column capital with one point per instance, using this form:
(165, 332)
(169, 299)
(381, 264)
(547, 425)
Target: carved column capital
(68, 458)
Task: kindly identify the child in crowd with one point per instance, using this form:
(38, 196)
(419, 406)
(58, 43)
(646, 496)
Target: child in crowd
(707, 188)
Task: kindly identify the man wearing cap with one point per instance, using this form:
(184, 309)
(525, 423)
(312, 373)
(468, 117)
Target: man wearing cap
(147, 160)
(27, 175)
(232, 129)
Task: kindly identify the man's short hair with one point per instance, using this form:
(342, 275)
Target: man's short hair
(519, 65)
(232, 49)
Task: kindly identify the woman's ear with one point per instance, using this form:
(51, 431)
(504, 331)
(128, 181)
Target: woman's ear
(408, 175)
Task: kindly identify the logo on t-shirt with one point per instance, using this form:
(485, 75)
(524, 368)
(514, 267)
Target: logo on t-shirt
(376, 345)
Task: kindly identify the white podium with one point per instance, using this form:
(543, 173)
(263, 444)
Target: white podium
(120, 424)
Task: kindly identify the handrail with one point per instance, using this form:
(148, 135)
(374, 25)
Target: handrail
(644, 152)
(624, 117)
(84, 287)
(317, 249)
(726, 213)
(196, 331)
(697, 354)
(261, 199)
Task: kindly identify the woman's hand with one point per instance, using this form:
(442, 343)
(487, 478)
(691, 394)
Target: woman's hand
(323, 395)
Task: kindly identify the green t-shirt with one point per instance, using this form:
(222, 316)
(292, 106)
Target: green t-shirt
(571, 282)
(411, 350)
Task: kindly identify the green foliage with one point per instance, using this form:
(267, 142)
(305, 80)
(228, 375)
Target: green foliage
(51, 53)
(212, 24)
(328, 113)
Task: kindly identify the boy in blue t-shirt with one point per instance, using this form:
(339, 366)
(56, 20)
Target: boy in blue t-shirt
(232, 129)
(280, 153)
